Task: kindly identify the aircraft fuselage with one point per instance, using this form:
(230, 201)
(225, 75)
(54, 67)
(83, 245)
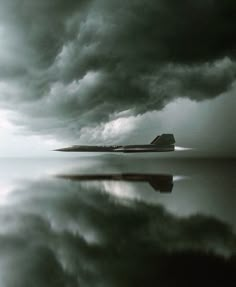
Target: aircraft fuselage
(124, 149)
(162, 143)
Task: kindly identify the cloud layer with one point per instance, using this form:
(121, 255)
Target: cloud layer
(75, 64)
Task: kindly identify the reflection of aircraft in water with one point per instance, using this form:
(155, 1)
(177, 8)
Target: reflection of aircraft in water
(160, 182)
(162, 143)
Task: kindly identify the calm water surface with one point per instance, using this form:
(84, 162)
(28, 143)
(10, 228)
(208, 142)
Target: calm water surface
(117, 221)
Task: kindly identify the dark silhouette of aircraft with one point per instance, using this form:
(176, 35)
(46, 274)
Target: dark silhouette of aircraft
(162, 143)
(159, 182)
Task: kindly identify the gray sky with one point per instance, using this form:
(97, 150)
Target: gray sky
(105, 71)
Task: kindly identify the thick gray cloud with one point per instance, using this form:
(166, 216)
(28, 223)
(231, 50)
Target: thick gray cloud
(72, 64)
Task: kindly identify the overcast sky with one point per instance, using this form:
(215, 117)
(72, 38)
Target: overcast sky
(109, 71)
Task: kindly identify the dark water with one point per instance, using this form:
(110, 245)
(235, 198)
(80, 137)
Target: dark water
(123, 225)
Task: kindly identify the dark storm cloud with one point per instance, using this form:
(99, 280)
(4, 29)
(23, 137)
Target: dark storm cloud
(76, 63)
(40, 25)
(71, 234)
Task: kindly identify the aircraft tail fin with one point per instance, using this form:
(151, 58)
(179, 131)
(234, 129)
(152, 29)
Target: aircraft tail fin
(164, 140)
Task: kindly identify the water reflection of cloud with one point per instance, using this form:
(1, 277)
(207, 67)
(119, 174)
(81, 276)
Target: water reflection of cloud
(5, 189)
(119, 190)
(59, 233)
